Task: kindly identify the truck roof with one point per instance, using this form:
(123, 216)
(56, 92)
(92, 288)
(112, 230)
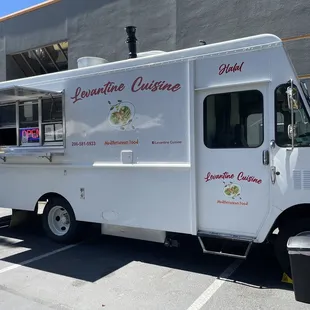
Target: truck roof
(245, 44)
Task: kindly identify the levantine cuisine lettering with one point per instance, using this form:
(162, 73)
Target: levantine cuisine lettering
(139, 84)
(241, 176)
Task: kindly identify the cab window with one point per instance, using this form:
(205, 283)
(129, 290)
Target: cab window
(283, 120)
(233, 120)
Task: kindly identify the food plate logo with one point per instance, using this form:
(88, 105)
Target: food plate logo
(122, 114)
(232, 190)
(232, 187)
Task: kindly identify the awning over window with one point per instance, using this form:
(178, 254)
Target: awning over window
(22, 93)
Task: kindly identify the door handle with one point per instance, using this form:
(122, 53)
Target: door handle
(266, 157)
(274, 174)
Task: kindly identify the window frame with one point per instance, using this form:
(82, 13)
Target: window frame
(302, 103)
(54, 122)
(261, 125)
(22, 104)
(11, 124)
(54, 98)
(233, 92)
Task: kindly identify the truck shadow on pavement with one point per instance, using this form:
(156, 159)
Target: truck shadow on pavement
(98, 256)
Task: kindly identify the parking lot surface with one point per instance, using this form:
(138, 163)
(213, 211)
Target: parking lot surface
(105, 272)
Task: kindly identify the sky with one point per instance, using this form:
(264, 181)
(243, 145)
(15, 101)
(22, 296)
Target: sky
(11, 6)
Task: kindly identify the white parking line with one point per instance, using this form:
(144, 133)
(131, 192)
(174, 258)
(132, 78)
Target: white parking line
(211, 290)
(29, 261)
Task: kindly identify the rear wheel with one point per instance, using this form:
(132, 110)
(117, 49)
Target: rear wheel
(287, 230)
(59, 221)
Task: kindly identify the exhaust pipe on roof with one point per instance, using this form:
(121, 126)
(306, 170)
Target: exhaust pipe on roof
(131, 41)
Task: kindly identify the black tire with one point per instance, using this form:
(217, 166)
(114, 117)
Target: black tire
(287, 230)
(74, 230)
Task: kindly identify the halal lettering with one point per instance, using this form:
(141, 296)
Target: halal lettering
(137, 85)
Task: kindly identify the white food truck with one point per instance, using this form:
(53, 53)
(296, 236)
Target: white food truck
(211, 141)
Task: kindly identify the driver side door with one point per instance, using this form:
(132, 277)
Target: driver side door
(290, 167)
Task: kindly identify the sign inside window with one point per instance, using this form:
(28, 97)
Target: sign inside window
(29, 135)
(53, 132)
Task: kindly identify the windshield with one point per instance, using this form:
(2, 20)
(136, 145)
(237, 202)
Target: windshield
(305, 91)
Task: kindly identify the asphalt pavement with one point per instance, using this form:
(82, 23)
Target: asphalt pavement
(113, 273)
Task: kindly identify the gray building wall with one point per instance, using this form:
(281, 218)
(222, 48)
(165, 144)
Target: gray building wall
(96, 27)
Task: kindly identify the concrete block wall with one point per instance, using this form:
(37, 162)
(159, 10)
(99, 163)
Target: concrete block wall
(96, 28)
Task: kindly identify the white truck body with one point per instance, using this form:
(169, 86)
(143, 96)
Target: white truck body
(156, 174)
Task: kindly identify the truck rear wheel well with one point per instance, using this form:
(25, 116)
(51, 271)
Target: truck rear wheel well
(46, 197)
(294, 212)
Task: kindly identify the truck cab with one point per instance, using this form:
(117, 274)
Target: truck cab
(253, 145)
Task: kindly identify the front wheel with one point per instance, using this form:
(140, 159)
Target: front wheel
(287, 230)
(59, 221)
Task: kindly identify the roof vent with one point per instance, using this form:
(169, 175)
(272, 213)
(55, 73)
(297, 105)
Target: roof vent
(90, 61)
(131, 41)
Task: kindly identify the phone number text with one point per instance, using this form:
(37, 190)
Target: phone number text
(83, 143)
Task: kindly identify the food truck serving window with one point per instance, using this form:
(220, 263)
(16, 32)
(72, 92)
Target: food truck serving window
(29, 132)
(8, 124)
(7, 115)
(31, 118)
(52, 126)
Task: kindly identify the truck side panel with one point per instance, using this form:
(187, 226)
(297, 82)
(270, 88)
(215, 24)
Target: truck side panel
(127, 150)
(154, 198)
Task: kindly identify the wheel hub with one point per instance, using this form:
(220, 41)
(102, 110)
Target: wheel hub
(59, 220)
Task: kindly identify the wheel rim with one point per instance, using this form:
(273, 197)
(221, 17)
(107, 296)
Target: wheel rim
(59, 221)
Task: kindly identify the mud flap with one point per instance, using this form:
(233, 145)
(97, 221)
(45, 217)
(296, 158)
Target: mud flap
(18, 217)
(5, 221)
(21, 218)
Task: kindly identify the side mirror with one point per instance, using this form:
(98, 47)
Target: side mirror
(292, 131)
(292, 98)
